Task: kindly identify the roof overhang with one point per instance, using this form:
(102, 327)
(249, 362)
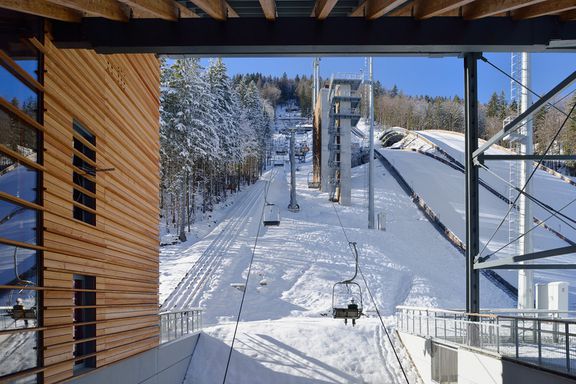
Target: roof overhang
(305, 36)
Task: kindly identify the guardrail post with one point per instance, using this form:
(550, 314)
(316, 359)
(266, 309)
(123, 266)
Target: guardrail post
(420, 322)
(539, 341)
(498, 335)
(516, 336)
(567, 336)
(175, 327)
(427, 323)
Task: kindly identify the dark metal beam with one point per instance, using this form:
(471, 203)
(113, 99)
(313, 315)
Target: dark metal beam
(526, 257)
(472, 181)
(516, 123)
(306, 36)
(536, 266)
(483, 157)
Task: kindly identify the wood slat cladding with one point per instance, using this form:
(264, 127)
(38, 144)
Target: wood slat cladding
(115, 97)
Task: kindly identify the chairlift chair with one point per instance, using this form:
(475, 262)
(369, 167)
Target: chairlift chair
(17, 310)
(351, 310)
(311, 182)
(271, 215)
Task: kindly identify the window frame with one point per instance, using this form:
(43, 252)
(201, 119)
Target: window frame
(84, 154)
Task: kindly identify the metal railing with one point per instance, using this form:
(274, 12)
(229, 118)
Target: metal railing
(176, 324)
(542, 341)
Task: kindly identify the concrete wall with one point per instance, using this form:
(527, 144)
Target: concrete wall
(325, 155)
(478, 368)
(166, 363)
(419, 349)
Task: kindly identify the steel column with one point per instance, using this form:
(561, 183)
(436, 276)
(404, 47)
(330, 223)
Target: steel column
(472, 181)
(371, 150)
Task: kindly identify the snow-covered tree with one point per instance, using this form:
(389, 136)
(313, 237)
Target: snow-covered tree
(212, 137)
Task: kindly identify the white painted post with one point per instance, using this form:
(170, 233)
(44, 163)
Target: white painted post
(371, 151)
(525, 276)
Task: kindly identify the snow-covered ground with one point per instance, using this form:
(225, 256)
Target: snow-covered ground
(286, 334)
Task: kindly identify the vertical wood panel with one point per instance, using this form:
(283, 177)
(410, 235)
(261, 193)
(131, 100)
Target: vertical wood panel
(116, 97)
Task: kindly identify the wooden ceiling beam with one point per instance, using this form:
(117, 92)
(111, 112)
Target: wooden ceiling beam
(545, 8)
(360, 10)
(378, 8)
(568, 16)
(403, 11)
(487, 8)
(217, 9)
(322, 8)
(231, 11)
(269, 9)
(109, 9)
(42, 8)
(185, 12)
(162, 9)
(424, 9)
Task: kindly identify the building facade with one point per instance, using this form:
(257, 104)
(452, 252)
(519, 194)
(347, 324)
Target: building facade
(79, 205)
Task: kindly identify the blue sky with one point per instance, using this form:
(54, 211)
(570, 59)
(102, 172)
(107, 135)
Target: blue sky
(416, 76)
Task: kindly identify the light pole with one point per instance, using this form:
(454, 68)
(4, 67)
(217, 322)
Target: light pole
(371, 151)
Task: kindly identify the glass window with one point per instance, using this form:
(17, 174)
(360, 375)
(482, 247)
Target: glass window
(18, 136)
(17, 223)
(18, 94)
(17, 179)
(80, 149)
(18, 352)
(20, 50)
(85, 133)
(85, 216)
(84, 182)
(18, 308)
(83, 315)
(17, 266)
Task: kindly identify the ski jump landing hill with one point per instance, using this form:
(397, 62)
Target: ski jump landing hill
(429, 166)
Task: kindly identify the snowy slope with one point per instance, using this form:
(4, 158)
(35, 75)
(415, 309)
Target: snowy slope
(284, 335)
(546, 187)
(443, 188)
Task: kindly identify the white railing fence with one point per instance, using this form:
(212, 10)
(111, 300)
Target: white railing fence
(176, 324)
(541, 340)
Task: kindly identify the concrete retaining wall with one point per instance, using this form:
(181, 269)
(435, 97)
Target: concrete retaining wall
(164, 364)
(475, 367)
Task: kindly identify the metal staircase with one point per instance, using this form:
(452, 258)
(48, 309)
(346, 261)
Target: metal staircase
(344, 101)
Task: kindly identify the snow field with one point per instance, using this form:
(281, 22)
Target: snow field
(442, 188)
(286, 334)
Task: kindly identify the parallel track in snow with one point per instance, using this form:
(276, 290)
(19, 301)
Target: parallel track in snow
(189, 289)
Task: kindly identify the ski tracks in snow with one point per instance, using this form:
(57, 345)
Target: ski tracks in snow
(190, 288)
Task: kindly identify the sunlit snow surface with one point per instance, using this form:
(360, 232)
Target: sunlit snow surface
(284, 335)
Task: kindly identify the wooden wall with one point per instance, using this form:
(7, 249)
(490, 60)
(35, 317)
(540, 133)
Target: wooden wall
(116, 97)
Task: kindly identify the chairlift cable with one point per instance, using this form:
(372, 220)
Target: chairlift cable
(247, 279)
(372, 297)
(540, 160)
(524, 234)
(555, 212)
(553, 105)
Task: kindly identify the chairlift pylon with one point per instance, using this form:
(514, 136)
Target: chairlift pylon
(353, 309)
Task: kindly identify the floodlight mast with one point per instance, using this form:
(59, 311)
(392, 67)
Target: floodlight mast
(525, 276)
(371, 149)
